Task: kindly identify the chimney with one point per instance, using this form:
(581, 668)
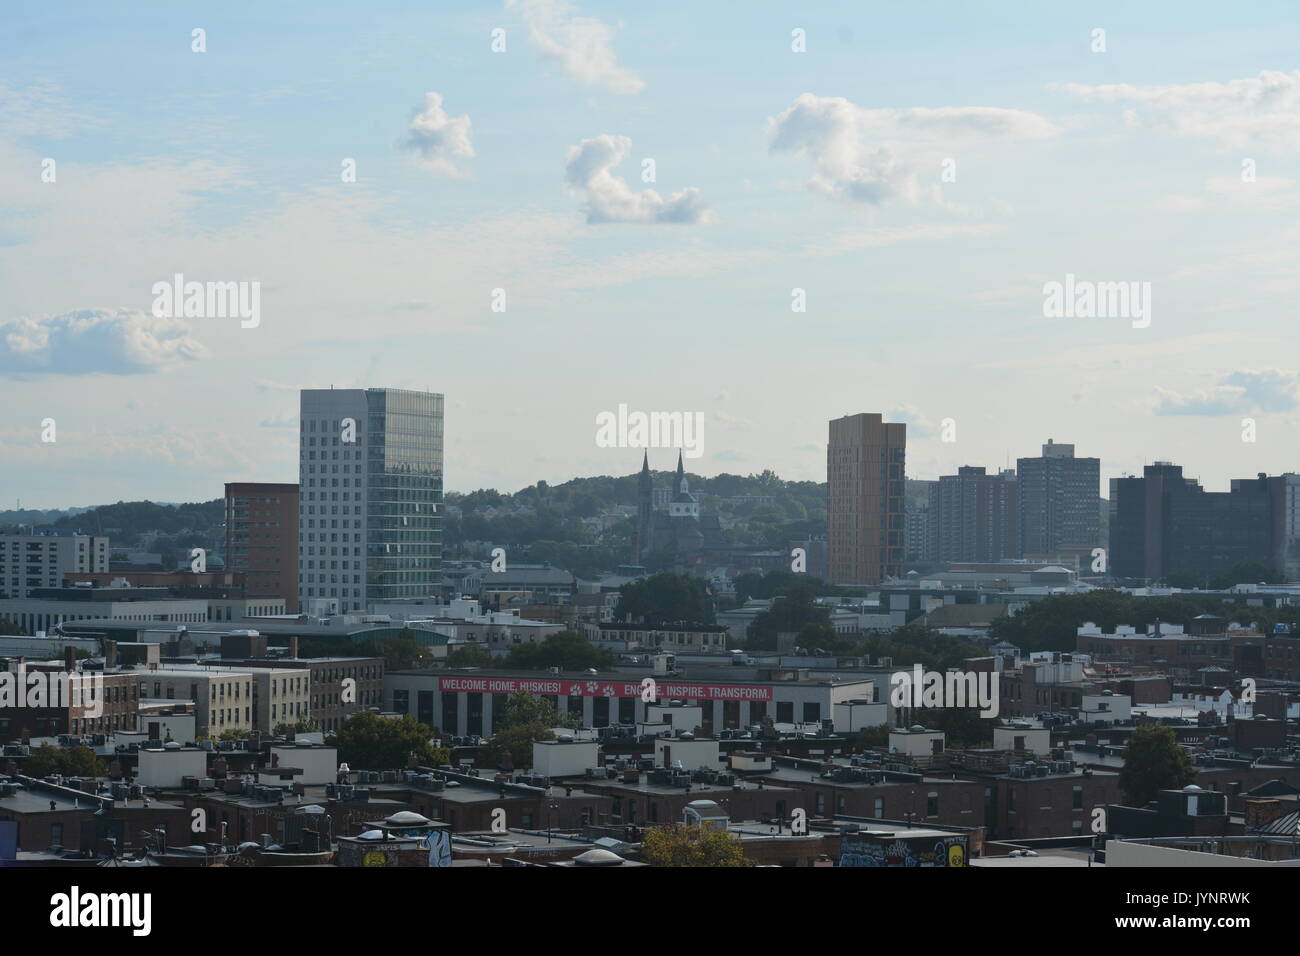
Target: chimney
(293, 646)
(110, 654)
(69, 658)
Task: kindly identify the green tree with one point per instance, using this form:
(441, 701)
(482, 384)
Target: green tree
(963, 727)
(1153, 761)
(79, 761)
(794, 607)
(869, 737)
(517, 743)
(303, 725)
(665, 598)
(1247, 572)
(682, 845)
(567, 650)
(401, 652)
(524, 708)
(367, 741)
(469, 655)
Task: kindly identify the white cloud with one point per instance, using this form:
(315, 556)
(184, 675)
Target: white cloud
(874, 156)
(1267, 390)
(610, 199)
(1263, 109)
(439, 139)
(582, 45)
(111, 341)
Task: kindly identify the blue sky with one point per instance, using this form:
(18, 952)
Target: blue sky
(775, 170)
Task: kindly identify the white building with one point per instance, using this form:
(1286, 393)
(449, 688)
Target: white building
(223, 699)
(319, 764)
(693, 754)
(345, 508)
(170, 765)
(916, 741)
(564, 758)
(1017, 737)
(281, 695)
(1106, 708)
(40, 560)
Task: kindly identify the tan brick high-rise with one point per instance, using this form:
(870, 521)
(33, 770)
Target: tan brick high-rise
(864, 499)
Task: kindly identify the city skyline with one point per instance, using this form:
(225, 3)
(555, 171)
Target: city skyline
(822, 175)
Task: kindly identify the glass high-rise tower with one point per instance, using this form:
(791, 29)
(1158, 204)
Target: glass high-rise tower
(370, 476)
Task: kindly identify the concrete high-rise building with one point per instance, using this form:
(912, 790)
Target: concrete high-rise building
(1286, 524)
(922, 539)
(1164, 524)
(262, 539)
(978, 516)
(40, 560)
(865, 516)
(1059, 501)
(370, 493)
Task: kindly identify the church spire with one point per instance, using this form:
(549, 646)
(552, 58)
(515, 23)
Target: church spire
(681, 473)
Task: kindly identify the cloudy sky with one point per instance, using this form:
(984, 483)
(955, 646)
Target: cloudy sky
(648, 184)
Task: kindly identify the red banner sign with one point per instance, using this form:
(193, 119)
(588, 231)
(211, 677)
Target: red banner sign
(664, 690)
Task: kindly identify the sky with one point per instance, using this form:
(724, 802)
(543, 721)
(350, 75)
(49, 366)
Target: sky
(625, 204)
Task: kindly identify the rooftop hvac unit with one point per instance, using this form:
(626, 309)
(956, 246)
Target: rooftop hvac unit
(363, 794)
(189, 783)
(8, 789)
(206, 783)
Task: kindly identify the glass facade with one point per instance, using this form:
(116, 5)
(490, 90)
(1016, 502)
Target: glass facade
(404, 492)
(370, 470)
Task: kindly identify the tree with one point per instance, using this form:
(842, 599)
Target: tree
(682, 845)
(794, 607)
(469, 655)
(79, 761)
(665, 598)
(1153, 760)
(367, 741)
(567, 650)
(869, 737)
(524, 708)
(1247, 572)
(515, 742)
(963, 727)
(303, 725)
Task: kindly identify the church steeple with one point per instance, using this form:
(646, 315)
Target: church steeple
(644, 511)
(683, 504)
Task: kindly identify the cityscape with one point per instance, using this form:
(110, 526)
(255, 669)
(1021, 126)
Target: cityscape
(557, 434)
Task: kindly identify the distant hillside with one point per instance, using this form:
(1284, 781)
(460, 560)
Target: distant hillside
(126, 521)
(760, 510)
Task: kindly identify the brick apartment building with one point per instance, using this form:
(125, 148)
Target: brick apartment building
(262, 538)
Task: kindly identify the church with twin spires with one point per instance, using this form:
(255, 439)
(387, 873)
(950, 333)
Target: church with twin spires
(678, 530)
